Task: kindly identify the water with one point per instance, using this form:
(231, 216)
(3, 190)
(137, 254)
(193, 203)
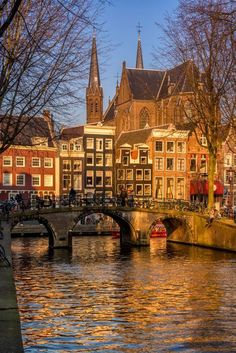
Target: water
(100, 298)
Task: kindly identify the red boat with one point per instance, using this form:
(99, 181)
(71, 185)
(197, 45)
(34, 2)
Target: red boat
(115, 234)
(158, 231)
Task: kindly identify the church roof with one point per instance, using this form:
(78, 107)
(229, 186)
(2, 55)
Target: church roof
(144, 84)
(153, 84)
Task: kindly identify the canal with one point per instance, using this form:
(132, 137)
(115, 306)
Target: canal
(104, 299)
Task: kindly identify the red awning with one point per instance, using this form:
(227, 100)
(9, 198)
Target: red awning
(200, 187)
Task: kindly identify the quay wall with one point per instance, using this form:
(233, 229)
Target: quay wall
(221, 234)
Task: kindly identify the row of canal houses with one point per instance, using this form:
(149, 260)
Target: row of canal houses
(163, 162)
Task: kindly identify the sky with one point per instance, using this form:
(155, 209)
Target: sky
(121, 20)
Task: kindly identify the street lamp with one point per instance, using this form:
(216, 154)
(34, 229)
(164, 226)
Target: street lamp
(230, 172)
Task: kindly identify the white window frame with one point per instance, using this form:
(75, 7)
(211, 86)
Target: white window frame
(180, 164)
(108, 174)
(147, 174)
(48, 162)
(99, 157)
(99, 174)
(108, 144)
(167, 150)
(50, 179)
(23, 179)
(173, 164)
(4, 179)
(99, 144)
(162, 145)
(20, 158)
(35, 159)
(90, 143)
(36, 176)
(150, 190)
(136, 191)
(7, 159)
(162, 163)
(90, 155)
(184, 148)
(141, 174)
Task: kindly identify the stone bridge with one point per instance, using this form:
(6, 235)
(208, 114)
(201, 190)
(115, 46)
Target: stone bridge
(135, 225)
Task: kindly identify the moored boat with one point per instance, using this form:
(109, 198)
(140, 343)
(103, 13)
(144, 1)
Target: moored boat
(115, 234)
(158, 231)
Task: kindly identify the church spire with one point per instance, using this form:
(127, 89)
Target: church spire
(139, 57)
(94, 78)
(94, 91)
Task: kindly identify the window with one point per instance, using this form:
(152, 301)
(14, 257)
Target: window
(159, 188)
(180, 188)
(99, 159)
(64, 147)
(36, 162)
(158, 163)
(143, 160)
(7, 161)
(159, 146)
(66, 165)
(7, 179)
(96, 106)
(120, 174)
(89, 142)
(181, 164)
(125, 160)
(48, 163)
(203, 164)
(108, 144)
(89, 178)
(147, 189)
(66, 181)
(139, 174)
(108, 178)
(20, 179)
(91, 106)
(147, 174)
(108, 160)
(170, 146)
(144, 118)
(20, 161)
(48, 180)
(77, 181)
(203, 140)
(99, 144)
(181, 147)
(169, 188)
(139, 189)
(36, 180)
(129, 174)
(234, 160)
(90, 159)
(193, 163)
(170, 163)
(129, 188)
(77, 165)
(99, 178)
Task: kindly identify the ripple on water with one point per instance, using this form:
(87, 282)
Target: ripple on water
(99, 298)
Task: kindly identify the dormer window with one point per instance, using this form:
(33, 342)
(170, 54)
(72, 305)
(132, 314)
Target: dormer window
(40, 141)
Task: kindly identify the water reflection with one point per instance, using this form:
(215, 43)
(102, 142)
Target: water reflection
(101, 298)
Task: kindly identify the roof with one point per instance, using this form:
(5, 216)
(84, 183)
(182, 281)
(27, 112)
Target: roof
(135, 137)
(68, 133)
(144, 84)
(31, 127)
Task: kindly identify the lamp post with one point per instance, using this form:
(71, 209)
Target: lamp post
(231, 185)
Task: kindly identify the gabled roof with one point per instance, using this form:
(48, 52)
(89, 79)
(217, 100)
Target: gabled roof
(31, 127)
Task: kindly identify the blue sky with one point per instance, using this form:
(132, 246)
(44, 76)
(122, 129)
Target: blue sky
(120, 28)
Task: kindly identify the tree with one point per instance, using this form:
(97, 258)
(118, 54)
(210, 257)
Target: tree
(204, 32)
(44, 59)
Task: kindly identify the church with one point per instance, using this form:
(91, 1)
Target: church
(143, 97)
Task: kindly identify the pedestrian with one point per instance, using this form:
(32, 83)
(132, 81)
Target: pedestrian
(123, 196)
(72, 195)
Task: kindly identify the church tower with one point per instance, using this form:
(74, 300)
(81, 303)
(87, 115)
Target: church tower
(139, 57)
(94, 91)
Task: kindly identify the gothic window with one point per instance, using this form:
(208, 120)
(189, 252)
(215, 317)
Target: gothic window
(144, 118)
(96, 106)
